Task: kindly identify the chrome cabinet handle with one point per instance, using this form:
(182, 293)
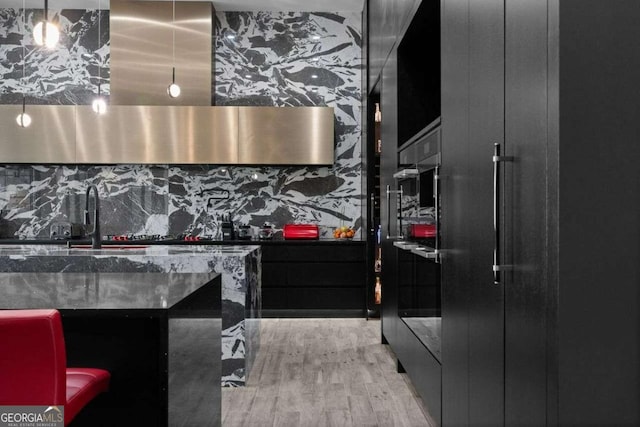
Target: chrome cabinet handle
(436, 204)
(497, 158)
(388, 211)
(400, 194)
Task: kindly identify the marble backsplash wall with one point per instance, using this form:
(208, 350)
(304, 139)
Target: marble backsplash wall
(66, 75)
(281, 59)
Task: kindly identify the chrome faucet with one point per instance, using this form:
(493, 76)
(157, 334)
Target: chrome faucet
(95, 232)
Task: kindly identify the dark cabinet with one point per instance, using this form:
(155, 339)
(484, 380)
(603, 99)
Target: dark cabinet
(386, 21)
(472, 122)
(408, 284)
(548, 81)
(311, 279)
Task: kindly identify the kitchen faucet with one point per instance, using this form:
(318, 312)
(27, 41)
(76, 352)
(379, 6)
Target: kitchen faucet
(95, 232)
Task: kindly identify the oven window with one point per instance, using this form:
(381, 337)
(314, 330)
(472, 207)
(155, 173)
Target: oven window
(427, 199)
(419, 299)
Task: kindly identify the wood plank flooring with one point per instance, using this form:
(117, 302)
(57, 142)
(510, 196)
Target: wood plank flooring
(323, 373)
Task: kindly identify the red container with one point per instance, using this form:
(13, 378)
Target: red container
(422, 230)
(300, 231)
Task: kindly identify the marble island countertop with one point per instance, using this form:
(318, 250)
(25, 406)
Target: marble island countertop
(125, 250)
(98, 290)
(239, 266)
(278, 240)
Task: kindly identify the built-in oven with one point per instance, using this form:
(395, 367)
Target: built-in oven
(414, 206)
(417, 197)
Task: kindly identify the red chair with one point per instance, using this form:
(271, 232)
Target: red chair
(33, 363)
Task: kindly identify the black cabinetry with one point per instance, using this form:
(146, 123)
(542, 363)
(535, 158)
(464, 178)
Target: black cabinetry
(311, 279)
(472, 122)
(404, 285)
(547, 344)
(386, 21)
(374, 251)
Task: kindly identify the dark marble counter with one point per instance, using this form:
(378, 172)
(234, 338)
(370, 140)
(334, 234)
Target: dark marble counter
(274, 241)
(239, 266)
(158, 334)
(99, 290)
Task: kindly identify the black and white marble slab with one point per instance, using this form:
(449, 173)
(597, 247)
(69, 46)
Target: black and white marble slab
(271, 61)
(66, 75)
(240, 267)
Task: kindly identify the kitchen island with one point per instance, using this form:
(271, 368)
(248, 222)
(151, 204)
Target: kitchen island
(154, 332)
(239, 266)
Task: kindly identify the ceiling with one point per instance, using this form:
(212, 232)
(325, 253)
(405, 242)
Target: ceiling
(222, 5)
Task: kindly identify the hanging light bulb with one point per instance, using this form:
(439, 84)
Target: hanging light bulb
(99, 105)
(46, 33)
(174, 90)
(23, 119)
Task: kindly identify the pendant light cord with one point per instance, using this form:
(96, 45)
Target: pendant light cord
(98, 47)
(24, 50)
(45, 23)
(173, 41)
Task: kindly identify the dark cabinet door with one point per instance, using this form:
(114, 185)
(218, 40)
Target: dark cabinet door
(473, 121)
(454, 184)
(486, 128)
(388, 211)
(525, 222)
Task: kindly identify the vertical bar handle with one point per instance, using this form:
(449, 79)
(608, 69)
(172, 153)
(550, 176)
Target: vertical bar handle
(400, 231)
(496, 213)
(497, 158)
(436, 207)
(388, 211)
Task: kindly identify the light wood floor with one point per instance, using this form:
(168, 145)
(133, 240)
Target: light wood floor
(323, 372)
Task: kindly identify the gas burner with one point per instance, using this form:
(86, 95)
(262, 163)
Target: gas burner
(156, 237)
(136, 237)
(193, 238)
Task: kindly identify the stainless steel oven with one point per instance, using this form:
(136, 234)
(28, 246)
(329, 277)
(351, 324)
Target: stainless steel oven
(417, 209)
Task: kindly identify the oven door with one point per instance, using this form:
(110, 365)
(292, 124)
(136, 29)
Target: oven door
(417, 207)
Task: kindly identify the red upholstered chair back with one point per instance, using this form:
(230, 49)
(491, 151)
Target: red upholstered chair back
(32, 358)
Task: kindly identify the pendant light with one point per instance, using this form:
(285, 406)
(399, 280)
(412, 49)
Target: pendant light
(173, 90)
(23, 119)
(46, 33)
(99, 105)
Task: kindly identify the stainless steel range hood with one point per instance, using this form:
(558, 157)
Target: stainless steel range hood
(169, 135)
